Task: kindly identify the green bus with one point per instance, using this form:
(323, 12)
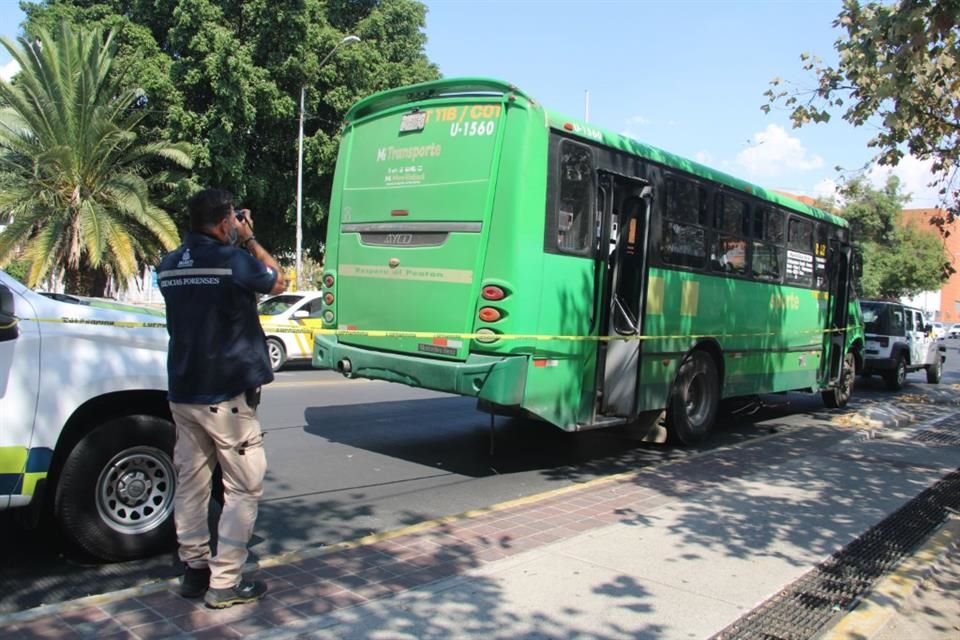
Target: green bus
(482, 245)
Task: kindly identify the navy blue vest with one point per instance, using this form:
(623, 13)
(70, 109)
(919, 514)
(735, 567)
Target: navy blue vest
(217, 347)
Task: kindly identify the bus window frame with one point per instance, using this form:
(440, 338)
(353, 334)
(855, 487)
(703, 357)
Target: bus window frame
(810, 251)
(551, 241)
(720, 233)
(762, 213)
(705, 223)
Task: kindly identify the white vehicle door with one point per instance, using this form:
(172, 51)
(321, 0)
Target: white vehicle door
(19, 390)
(917, 337)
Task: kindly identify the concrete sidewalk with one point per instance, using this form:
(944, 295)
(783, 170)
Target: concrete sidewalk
(680, 550)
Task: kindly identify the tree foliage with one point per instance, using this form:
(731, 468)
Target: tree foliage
(225, 76)
(899, 71)
(75, 177)
(898, 260)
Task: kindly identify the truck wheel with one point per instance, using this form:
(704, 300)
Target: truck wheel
(694, 397)
(934, 371)
(898, 377)
(278, 355)
(114, 498)
(838, 396)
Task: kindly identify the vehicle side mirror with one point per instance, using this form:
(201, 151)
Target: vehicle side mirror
(9, 324)
(856, 264)
(301, 314)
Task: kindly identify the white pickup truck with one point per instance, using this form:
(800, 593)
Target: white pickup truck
(85, 430)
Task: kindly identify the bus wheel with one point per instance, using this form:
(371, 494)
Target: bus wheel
(114, 498)
(898, 377)
(838, 396)
(693, 399)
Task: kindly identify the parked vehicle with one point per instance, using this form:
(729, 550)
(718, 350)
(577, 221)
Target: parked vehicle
(281, 313)
(86, 434)
(939, 330)
(954, 330)
(898, 341)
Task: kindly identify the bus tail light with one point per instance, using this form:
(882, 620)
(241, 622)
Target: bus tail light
(493, 292)
(328, 316)
(489, 335)
(328, 298)
(328, 280)
(490, 314)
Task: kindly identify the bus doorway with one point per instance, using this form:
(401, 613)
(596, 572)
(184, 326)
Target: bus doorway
(625, 223)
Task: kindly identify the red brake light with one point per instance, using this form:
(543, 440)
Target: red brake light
(489, 314)
(399, 212)
(568, 126)
(328, 280)
(493, 292)
(328, 298)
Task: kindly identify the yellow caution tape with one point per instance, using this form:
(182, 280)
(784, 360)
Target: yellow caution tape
(487, 337)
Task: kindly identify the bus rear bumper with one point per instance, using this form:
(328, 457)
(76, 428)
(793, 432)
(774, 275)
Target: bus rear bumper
(497, 379)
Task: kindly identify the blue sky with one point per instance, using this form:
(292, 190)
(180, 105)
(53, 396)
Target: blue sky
(684, 75)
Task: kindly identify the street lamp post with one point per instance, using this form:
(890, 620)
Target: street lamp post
(303, 93)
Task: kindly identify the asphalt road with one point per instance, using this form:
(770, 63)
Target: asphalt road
(351, 457)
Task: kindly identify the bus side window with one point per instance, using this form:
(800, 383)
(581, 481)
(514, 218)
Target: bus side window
(767, 261)
(733, 226)
(575, 207)
(800, 252)
(683, 236)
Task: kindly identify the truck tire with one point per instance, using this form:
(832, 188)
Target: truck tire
(896, 378)
(114, 497)
(694, 397)
(934, 371)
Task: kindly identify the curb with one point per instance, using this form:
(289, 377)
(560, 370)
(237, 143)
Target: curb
(890, 595)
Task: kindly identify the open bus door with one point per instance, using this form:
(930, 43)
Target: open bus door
(624, 228)
(839, 258)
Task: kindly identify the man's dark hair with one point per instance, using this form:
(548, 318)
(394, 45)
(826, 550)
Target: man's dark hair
(208, 207)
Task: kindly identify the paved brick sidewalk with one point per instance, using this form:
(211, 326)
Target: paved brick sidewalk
(378, 567)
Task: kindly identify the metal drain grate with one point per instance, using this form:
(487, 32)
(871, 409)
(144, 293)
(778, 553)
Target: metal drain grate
(940, 433)
(802, 609)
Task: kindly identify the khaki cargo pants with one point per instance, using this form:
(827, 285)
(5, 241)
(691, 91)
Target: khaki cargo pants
(228, 433)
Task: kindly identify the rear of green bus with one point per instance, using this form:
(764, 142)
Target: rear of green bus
(423, 237)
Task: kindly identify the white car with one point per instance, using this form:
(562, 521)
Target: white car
(85, 428)
(954, 330)
(282, 317)
(939, 330)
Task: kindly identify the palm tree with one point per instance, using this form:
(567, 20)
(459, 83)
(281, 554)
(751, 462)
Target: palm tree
(75, 175)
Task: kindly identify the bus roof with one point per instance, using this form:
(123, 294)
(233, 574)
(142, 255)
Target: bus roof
(449, 87)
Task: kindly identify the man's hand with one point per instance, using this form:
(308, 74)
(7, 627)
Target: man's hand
(244, 226)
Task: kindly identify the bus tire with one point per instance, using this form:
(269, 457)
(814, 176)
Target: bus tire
(838, 397)
(934, 371)
(897, 377)
(114, 497)
(694, 398)
(278, 355)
